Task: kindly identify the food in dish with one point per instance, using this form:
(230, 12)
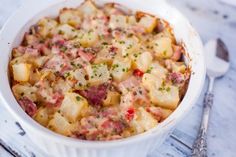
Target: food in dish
(99, 73)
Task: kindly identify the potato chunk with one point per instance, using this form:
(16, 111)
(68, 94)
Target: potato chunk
(158, 70)
(148, 22)
(127, 45)
(59, 124)
(120, 69)
(98, 74)
(77, 75)
(21, 72)
(26, 90)
(42, 116)
(118, 21)
(66, 31)
(112, 98)
(105, 55)
(162, 47)
(46, 26)
(143, 121)
(150, 81)
(70, 16)
(72, 106)
(87, 38)
(165, 96)
(88, 8)
(143, 61)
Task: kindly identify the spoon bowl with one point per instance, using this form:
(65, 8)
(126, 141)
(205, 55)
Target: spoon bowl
(217, 58)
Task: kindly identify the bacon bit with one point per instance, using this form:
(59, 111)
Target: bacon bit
(160, 26)
(72, 53)
(176, 78)
(138, 73)
(177, 53)
(58, 97)
(109, 113)
(113, 49)
(110, 126)
(59, 63)
(32, 52)
(58, 40)
(42, 48)
(95, 94)
(156, 112)
(130, 114)
(87, 56)
(138, 29)
(55, 50)
(28, 106)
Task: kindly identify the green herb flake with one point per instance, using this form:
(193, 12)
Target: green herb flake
(78, 98)
(165, 53)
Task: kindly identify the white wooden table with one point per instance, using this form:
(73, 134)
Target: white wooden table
(212, 19)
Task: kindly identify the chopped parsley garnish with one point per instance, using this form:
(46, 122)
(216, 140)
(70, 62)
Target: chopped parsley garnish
(149, 70)
(78, 98)
(122, 42)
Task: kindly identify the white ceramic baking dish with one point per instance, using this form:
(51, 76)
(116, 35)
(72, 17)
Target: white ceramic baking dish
(137, 146)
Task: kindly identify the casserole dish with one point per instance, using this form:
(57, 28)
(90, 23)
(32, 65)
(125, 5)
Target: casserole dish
(57, 145)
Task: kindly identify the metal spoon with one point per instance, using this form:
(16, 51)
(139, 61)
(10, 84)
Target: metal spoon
(217, 63)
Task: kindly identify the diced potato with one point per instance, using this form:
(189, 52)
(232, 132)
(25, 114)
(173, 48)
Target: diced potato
(157, 70)
(113, 98)
(79, 76)
(177, 66)
(26, 90)
(17, 60)
(143, 121)
(166, 33)
(143, 61)
(87, 38)
(120, 69)
(42, 116)
(98, 74)
(88, 8)
(165, 96)
(66, 31)
(132, 20)
(62, 85)
(17, 52)
(34, 77)
(148, 22)
(151, 82)
(165, 113)
(59, 124)
(118, 21)
(72, 106)
(162, 47)
(70, 16)
(40, 61)
(105, 55)
(29, 39)
(127, 45)
(47, 26)
(21, 72)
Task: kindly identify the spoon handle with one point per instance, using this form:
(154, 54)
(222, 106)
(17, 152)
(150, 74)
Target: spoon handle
(200, 144)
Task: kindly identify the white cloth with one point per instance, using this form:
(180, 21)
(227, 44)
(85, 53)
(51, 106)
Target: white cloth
(231, 2)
